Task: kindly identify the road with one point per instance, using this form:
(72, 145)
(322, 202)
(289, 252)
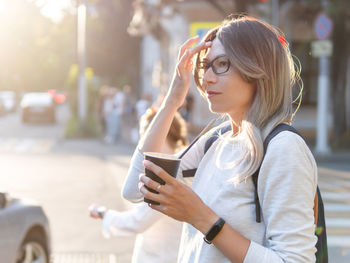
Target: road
(66, 176)
(334, 182)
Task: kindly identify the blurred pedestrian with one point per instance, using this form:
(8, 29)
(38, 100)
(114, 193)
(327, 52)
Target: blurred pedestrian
(140, 108)
(143, 104)
(158, 236)
(108, 107)
(100, 107)
(129, 120)
(119, 103)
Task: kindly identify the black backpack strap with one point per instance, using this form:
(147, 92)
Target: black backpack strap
(279, 128)
(213, 137)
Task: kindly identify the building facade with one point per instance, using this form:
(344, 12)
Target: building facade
(166, 24)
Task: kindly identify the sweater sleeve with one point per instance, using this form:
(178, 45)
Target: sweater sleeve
(190, 160)
(130, 190)
(286, 188)
(130, 222)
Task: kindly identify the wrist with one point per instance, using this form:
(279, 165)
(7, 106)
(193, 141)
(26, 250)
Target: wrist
(206, 220)
(170, 104)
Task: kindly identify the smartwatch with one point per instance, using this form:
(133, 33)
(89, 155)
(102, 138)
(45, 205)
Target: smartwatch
(214, 230)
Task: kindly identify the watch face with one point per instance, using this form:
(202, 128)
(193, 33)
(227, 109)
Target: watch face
(213, 232)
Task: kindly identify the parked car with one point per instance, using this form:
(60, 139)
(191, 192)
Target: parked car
(25, 233)
(2, 109)
(38, 106)
(9, 100)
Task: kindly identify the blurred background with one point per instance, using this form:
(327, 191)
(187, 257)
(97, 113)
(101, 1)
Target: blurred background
(76, 75)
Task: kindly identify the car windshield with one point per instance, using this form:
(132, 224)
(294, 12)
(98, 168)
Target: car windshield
(37, 98)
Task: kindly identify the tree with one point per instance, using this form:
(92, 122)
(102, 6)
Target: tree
(111, 51)
(340, 13)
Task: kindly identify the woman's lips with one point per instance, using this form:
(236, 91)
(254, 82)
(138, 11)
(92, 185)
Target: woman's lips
(211, 94)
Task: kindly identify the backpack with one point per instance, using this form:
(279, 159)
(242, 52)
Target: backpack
(320, 231)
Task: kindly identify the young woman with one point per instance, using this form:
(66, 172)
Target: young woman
(245, 70)
(158, 236)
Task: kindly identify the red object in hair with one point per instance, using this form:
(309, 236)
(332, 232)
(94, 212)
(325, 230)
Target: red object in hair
(283, 41)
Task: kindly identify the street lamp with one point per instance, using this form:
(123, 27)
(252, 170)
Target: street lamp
(81, 47)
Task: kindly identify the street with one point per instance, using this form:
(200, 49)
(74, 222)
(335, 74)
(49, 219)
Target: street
(66, 176)
(334, 183)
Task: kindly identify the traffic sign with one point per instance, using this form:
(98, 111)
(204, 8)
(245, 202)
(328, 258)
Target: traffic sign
(323, 26)
(321, 48)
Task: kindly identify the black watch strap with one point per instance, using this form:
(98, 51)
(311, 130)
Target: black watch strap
(214, 230)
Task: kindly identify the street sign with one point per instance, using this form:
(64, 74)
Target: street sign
(321, 48)
(201, 28)
(323, 26)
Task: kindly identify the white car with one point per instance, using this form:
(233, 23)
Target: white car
(38, 106)
(25, 233)
(9, 101)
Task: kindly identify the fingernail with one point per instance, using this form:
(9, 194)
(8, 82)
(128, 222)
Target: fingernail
(208, 43)
(144, 179)
(146, 163)
(142, 190)
(195, 36)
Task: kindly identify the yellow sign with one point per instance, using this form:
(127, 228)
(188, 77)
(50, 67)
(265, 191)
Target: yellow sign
(201, 28)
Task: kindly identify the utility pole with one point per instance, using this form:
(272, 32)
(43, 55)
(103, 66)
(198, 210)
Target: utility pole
(275, 13)
(82, 96)
(323, 29)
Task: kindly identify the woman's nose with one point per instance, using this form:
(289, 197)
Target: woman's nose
(209, 76)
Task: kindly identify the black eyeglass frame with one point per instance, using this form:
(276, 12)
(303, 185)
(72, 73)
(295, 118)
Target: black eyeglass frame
(210, 65)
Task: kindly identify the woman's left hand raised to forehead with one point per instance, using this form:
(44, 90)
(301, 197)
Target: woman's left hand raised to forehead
(181, 79)
(176, 199)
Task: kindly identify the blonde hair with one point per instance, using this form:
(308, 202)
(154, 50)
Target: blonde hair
(260, 54)
(177, 135)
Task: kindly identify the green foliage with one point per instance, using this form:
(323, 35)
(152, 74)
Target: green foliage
(74, 128)
(113, 53)
(34, 51)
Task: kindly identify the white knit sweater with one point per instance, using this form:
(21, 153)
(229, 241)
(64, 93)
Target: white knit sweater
(157, 236)
(286, 188)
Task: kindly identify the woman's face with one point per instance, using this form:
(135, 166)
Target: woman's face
(226, 92)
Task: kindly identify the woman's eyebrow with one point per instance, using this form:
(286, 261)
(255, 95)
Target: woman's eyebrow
(206, 59)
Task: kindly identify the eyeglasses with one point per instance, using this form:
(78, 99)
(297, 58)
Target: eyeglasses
(220, 65)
